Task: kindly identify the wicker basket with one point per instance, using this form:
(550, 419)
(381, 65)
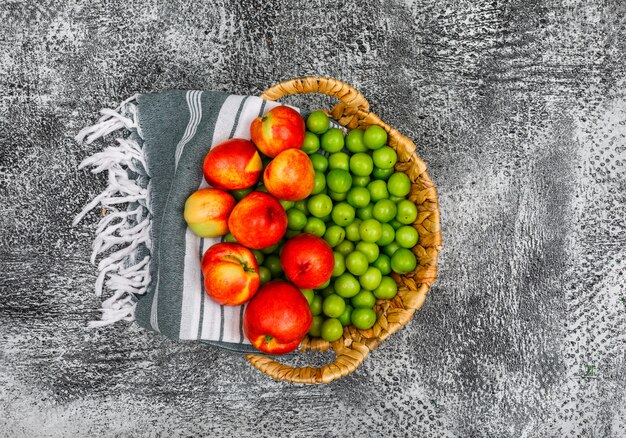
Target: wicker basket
(352, 348)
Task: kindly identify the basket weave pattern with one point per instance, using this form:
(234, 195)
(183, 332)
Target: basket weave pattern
(354, 346)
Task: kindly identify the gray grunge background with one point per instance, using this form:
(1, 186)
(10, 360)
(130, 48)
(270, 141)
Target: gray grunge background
(519, 109)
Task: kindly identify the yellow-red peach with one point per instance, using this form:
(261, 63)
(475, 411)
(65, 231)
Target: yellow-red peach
(207, 211)
(279, 129)
(290, 176)
(233, 165)
(231, 273)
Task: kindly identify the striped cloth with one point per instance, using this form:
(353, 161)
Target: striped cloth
(157, 279)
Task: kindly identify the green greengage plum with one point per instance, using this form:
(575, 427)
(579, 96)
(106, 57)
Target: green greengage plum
(383, 264)
(259, 256)
(395, 224)
(316, 305)
(407, 212)
(384, 210)
(346, 285)
(360, 181)
(382, 174)
(316, 326)
(333, 306)
(296, 220)
(308, 294)
(399, 184)
(332, 329)
(358, 197)
(356, 263)
(345, 247)
(403, 261)
(365, 213)
(339, 160)
(272, 262)
(332, 140)
(291, 233)
(320, 162)
(316, 226)
(334, 235)
(374, 137)
(271, 249)
(340, 264)
(407, 236)
(319, 182)
(361, 164)
(354, 141)
(371, 279)
(240, 194)
(363, 319)
(370, 250)
(327, 291)
(384, 157)
(370, 230)
(317, 122)
(391, 249)
(343, 214)
(352, 231)
(286, 204)
(387, 235)
(339, 180)
(319, 205)
(311, 143)
(301, 205)
(363, 300)
(264, 274)
(325, 285)
(387, 289)
(378, 190)
(344, 319)
(336, 196)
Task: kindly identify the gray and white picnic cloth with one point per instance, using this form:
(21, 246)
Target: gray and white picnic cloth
(149, 267)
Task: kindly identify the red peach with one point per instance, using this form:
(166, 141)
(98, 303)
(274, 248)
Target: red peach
(233, 165)
(207, 211)
(277, 318)
(258, 221)
(281, 128)
(290, 176)
(307, 260)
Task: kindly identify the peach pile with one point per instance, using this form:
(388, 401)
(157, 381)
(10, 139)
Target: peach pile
(253, 221)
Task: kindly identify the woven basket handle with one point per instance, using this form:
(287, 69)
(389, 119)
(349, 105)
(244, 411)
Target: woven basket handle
(349, 354)
(353, 104)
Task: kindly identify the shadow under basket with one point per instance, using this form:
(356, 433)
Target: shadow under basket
(354, 345)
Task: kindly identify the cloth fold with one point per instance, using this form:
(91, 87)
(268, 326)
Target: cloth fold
(150, 260)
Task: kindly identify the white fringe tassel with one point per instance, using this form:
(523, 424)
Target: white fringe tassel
(120, 230)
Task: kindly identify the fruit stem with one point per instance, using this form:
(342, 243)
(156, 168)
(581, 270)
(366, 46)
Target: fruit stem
(268, 339)
(234, 259)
